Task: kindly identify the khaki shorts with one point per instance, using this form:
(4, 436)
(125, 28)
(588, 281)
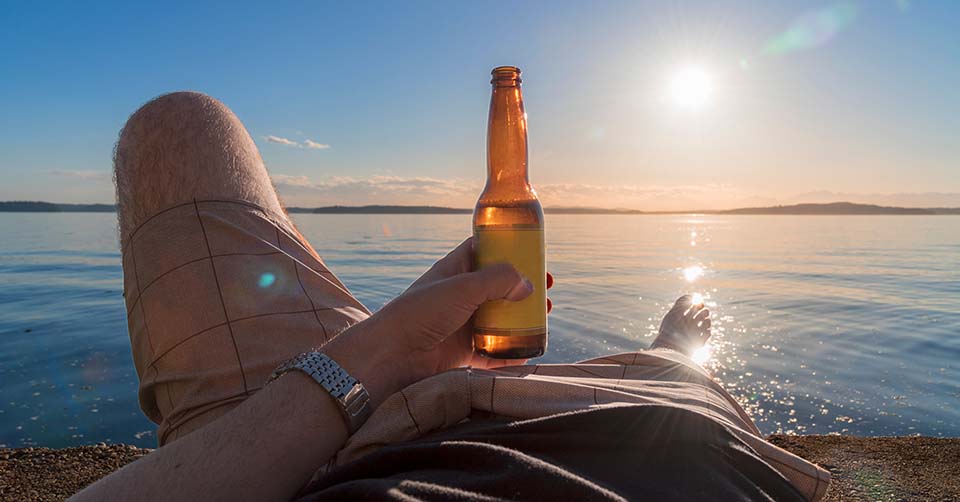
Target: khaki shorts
(219, 293)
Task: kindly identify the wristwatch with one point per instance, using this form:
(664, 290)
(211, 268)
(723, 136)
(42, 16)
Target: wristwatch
(347, 391)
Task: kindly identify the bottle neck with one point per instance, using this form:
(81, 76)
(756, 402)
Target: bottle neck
(507, 142)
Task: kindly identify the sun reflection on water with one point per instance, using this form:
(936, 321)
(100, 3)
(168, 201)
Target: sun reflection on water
(692, 273)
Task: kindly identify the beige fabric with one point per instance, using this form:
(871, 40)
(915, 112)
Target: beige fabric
(657, 376)
(220, 292)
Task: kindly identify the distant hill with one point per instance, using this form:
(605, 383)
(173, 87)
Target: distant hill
(446, 210)
(18, 206)
(833, 208)
(390, 210)
(838, 208)
(589, 210)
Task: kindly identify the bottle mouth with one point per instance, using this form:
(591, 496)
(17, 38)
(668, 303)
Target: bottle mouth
(505, 74)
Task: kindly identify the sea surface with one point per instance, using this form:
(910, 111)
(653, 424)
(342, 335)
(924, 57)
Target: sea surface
(822, 324)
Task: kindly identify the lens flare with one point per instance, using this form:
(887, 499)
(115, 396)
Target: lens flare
(266, 280)
(813, 29)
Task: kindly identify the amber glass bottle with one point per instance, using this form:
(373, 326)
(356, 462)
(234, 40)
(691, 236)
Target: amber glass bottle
(508, 227)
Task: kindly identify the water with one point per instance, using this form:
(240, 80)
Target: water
(822, 324)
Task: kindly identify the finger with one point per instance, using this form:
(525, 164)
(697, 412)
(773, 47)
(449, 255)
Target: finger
(495, 282)
(444, 306)
(458, 261)
(489, 363)
(459, 346)
(549, 280)
(705, 324)
(703, 314)
(549, 305)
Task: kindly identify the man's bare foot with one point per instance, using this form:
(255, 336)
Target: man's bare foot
(685, 328)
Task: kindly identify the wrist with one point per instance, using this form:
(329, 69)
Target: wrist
(362, 353)
(318, 413)
(351, 396)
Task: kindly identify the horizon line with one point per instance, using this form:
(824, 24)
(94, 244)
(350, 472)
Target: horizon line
(811, 208)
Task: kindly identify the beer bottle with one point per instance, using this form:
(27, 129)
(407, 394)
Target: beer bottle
(508, 227)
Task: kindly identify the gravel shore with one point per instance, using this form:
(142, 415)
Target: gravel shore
(883, 468)
(876, 469)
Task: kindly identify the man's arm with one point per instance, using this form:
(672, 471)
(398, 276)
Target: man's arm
(268, 447)
(265, 449)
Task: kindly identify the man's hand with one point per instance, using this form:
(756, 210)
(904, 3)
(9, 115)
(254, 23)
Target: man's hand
(426, 330)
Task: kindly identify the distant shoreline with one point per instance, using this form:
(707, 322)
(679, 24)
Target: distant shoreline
(828, 209)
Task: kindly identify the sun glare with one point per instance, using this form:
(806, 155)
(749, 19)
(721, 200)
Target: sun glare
(702, 354)
(690, 88)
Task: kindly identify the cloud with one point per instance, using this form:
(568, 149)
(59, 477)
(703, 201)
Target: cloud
(388, 189)
(346, 190)
(83, 174)
(314, 145)
(281, 141)
(645, 197)
(308, 143)
(283, 179)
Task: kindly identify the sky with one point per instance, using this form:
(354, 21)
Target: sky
(644, 105)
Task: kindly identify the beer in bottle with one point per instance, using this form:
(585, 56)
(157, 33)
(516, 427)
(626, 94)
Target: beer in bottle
(508, 227)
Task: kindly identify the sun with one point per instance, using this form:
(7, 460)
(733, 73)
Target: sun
(690, 87)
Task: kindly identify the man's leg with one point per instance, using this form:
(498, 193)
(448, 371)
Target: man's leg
(185, 146)
(219, 284)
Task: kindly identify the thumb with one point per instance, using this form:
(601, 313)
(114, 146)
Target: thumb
(443, 307)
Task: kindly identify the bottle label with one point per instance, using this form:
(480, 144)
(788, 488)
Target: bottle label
(524, 249)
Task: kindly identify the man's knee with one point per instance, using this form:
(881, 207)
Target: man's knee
(184, 146)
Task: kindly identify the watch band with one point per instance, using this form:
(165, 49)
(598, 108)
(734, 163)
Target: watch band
(347, 391)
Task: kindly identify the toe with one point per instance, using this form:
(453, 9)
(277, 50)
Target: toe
(696, 312)
(705, 328)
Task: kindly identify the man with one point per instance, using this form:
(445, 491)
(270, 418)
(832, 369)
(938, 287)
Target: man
(221, 288)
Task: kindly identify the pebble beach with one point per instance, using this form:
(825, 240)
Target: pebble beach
(875, 469)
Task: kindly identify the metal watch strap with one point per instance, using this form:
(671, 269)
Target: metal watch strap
(347, 391)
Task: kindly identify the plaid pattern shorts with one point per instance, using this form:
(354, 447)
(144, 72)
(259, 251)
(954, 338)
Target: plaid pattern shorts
(218, 293)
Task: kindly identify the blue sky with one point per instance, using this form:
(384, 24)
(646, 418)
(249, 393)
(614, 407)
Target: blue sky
(807, 100)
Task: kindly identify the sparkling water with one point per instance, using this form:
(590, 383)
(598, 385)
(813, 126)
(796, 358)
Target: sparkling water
(822, 324)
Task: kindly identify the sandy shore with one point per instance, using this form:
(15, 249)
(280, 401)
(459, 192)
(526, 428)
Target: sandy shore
(889, 468)
(884, 468)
